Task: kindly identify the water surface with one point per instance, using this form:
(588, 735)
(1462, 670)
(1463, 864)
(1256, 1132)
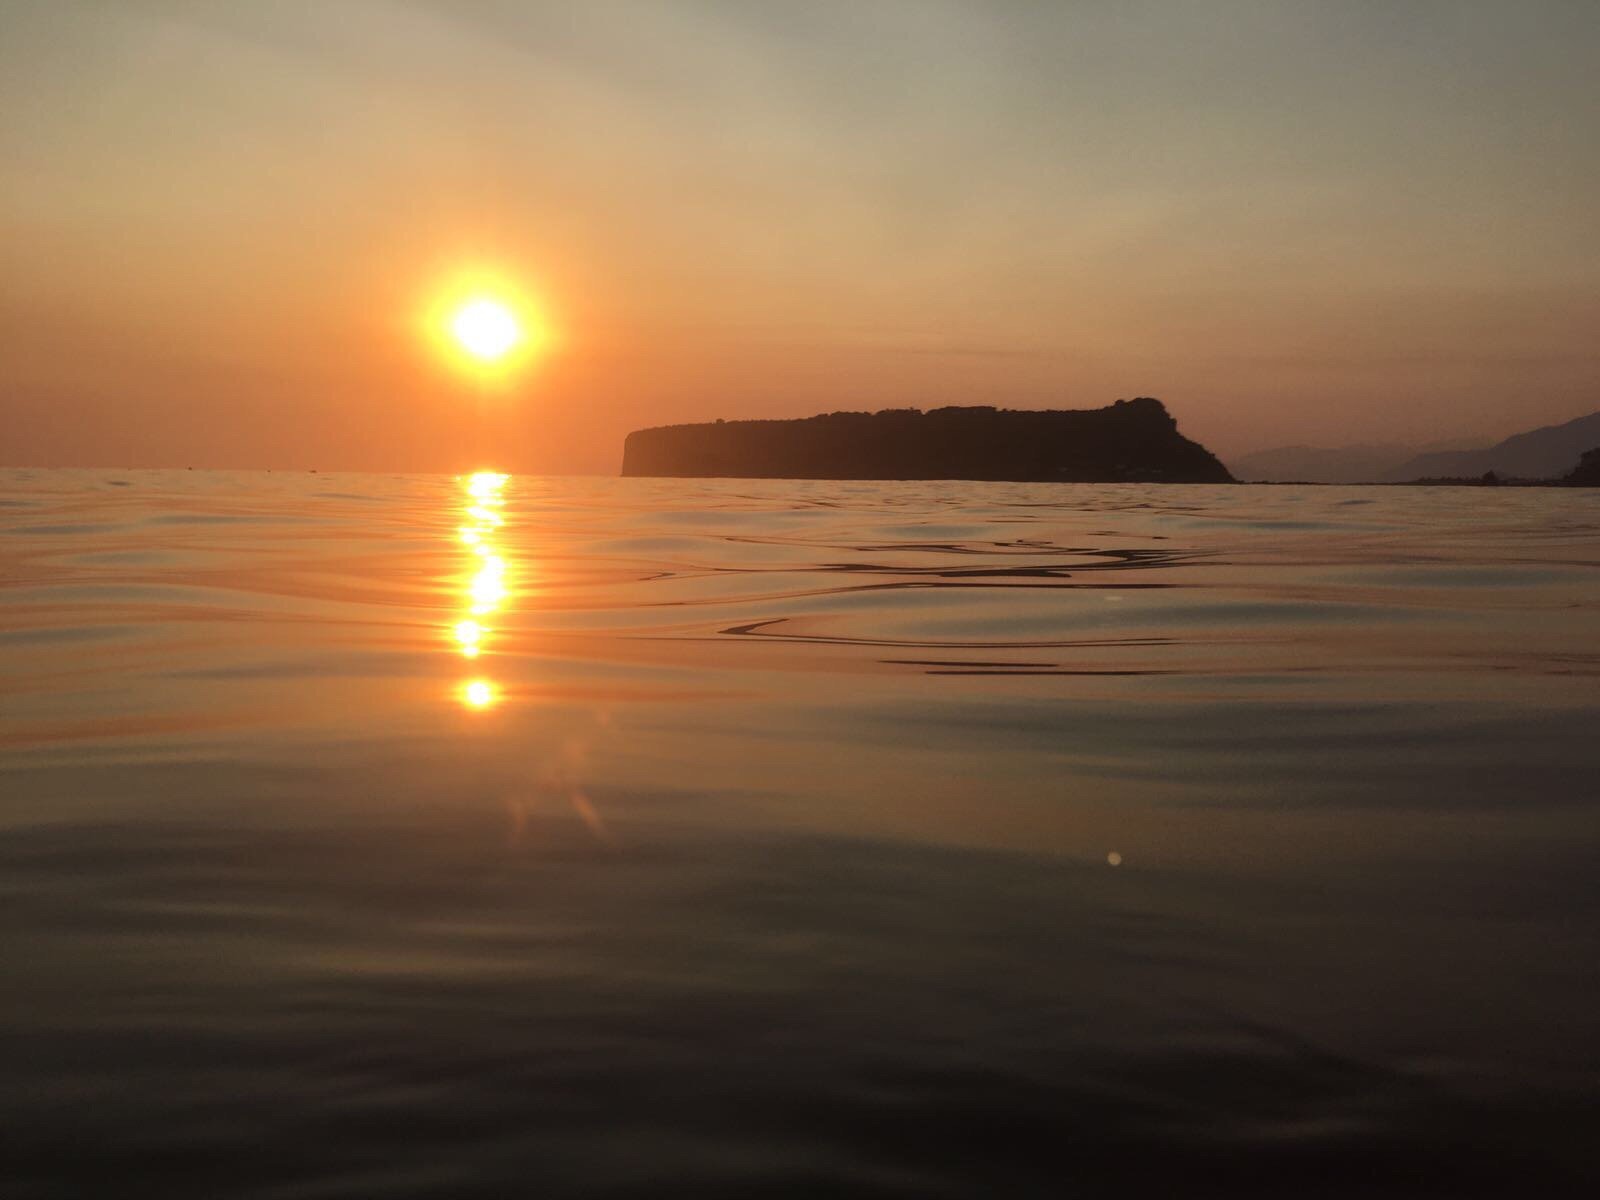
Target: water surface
(424, 837)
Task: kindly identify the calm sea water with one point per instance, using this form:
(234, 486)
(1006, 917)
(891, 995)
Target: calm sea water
(423, 837)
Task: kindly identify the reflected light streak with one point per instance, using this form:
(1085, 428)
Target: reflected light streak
(485, 587)
(478, 693)
(486, 485)
(470, 636)
(487, 592)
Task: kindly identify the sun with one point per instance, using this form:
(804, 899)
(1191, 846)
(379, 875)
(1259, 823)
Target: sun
(486, 329)
(486, 323)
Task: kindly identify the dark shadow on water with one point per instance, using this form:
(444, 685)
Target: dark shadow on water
(421, 1009)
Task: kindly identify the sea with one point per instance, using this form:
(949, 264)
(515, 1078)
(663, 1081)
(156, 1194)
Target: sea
(497, 836)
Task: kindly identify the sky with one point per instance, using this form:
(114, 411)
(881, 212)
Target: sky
(1326, 221)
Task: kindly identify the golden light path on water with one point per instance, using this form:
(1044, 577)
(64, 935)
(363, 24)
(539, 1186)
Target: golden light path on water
(485, 579)
(485, 591)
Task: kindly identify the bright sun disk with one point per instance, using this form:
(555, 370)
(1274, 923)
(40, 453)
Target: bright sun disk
(486, 329)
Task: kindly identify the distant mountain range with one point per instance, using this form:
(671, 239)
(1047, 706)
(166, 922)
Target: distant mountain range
(1363, 463)
(1544, 453)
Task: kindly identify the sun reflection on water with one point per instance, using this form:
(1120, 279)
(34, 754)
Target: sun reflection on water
(478, 693)
(485, 588)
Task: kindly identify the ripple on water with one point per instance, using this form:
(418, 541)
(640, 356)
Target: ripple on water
(813, 838)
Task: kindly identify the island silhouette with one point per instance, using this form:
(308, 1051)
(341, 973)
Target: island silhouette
(1131, 441)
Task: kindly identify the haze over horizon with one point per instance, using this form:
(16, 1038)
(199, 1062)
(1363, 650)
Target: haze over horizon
(1306, 222)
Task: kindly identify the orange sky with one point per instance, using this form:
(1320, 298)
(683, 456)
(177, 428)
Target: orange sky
(1321, 222)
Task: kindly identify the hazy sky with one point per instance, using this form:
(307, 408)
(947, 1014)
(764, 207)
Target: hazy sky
(1293, 221)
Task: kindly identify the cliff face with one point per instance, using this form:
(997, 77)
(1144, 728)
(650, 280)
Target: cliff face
(1130, 441)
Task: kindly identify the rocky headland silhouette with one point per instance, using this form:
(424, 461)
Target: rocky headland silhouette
(1587, 472)
(1131, 441)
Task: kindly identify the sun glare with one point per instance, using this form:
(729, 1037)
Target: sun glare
(487, 324)
(486, 329)
(479, 693)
